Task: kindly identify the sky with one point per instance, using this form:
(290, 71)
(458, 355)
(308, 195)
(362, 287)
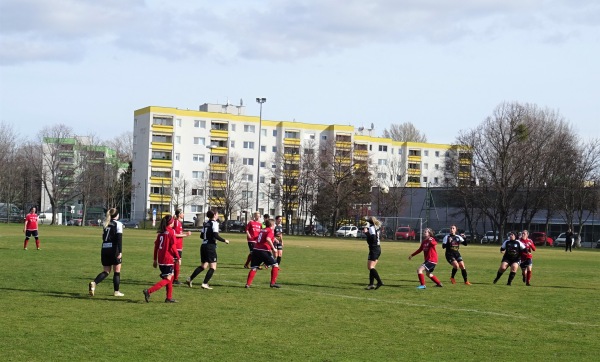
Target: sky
(443, 65)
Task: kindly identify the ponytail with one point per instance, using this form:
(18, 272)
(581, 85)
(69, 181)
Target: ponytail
(110, 214)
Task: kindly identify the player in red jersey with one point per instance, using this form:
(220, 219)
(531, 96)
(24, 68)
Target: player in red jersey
(431, 258)
(527, 257)
(264, 252)
(179, 235)
(252, 230)
(31, 228)
(165, 254)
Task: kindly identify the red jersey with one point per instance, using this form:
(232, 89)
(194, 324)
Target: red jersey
(428, 248)
(253, 229)
(31, 220)
(529, 247)
(164, 248)
(261, 242)
(178, 229)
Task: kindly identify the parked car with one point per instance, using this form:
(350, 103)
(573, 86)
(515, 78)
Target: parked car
(347, 231)
(540, 238)
(130, 224)
(490, 237)
(74, 222)
(405, 233)
(314, 229)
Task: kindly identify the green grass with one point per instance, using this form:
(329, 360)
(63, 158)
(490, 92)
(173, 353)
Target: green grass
(322, 312)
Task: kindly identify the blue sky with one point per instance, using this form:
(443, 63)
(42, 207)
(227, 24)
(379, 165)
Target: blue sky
(443, 65)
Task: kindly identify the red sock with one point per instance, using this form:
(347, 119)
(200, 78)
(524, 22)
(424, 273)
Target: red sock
(37, 243)
(435, 280)
(170, 290)
(529, 276)
(158, 285)
(25, 243)
(421, 279)
(274, 273)
(251, 275)
(176, 277)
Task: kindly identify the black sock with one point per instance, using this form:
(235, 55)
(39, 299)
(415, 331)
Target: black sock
(464, 274)
(116, 281)
(376, 274)
(208, 275)
(453, 272)
(372, 276)
(100, 277)
(511, 276)
(278, 260)
(196, 272)
(498, 275)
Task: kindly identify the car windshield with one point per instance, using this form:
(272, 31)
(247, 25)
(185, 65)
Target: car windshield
(489, 233)
(403, 229)
(345, 228)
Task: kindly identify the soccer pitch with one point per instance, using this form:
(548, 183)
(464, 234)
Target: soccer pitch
(321, 313)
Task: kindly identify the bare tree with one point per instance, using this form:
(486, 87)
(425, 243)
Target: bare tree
(10, 177)
(404, 132)
(227, 187)
(123, 146)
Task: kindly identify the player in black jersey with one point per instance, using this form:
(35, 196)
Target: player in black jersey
(512, 249)
(452, 243)
(278, 242)
(111, 252)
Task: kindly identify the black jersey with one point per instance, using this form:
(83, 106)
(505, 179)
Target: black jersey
(513, 248)
(210, 232)
(373, 236)
(452, 243)
(112, 238)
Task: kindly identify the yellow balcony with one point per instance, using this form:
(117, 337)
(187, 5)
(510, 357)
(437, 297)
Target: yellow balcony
(218, 133)
(218, 167)
(157, 198)
(291, 157)
(157, 181)
(162, 146)
(414, 171)
(291, 141)
(219, 150)
(414, 158)
(216, 200)
(161, 163)
(464, 161)
(218, 184)
(162, 128)
(342, 144)
(463, 174)
(291, 174)
(413, 184)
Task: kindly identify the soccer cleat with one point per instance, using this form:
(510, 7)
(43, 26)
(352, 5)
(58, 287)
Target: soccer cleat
(176, 282)
(92, 288)
(439, 286)
(39, 248)
(378, 285)
(247, 286)
(118, 294)
(246, 266)
(495, 281)
(170, 300)
(146, 295)
(421, 287)
(508, 284)
(467, 283)
(25, 249)
(275, 285)
(188, 281)
(452, 280)
(524, 280)
(205, 286)
(369, 287)
(528, 284)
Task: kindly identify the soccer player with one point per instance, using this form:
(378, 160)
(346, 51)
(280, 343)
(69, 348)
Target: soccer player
(208, 250)
(252, 229)
(431, 258)
(179, 235)
(111, 253)
(264, 252)
(31, 228)
(165, 253)
(374, 243)
(527, 257)
(452, 244)
(265, 218)
(278, 241)
(512, 249)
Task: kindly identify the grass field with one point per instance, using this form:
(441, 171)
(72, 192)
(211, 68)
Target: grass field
(321, 313)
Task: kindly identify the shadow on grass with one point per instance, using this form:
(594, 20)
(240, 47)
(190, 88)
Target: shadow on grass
(76, 295)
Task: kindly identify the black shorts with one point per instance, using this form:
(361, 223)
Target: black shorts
(180, 252)
(527, 262)
(374, 253)
(30, 233)
(278, 245)
(251, 245)
(511, 261)
(208, 253)
(454, 257)
(262, 256)
(429, 266)
(165, 270)
(108, 257)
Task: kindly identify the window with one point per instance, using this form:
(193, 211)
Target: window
(198, 157)
(381, 176)
(382, 162)
(399, 151)
(197, 208)
(425, 167)
(233, 128)
(437, 167)
(263, 132)
(249, 128)
(292, 134)
(248, 161)
(198, 174)
(437, 153)
(248, 177)
(246, 194)
(426, 153)
(199, 141)
(263, 148)
(263, 164)
(436, 180)
(161, 155)
(196, 123)
(249, 145)
(447, 154)
(178, 140)
(274, 133)
(162, 138)
(178, 122)
(425, 179)
(275, 149)
(176, 173)
(324, 138)
(232, 144)
(262, 179)
(177, 156)
(382, 148)
(273, 166)
(162, 121)
(197, 192)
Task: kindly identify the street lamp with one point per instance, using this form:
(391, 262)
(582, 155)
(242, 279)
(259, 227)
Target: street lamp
(259, 101)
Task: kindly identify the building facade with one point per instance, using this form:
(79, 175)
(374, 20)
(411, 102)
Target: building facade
(186, 158)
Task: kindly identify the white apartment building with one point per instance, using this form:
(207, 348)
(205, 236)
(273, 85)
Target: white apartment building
(178, 154)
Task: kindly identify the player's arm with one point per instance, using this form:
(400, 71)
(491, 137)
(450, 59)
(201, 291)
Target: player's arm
(444, 242)
(270, 243)
(155, 258)
(216, 234)
(532, 246)
(420, 249)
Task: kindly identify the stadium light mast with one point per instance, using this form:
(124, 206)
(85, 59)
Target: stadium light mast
(259, 101)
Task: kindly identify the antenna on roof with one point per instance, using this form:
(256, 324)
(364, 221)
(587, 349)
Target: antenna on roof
(241, 102)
